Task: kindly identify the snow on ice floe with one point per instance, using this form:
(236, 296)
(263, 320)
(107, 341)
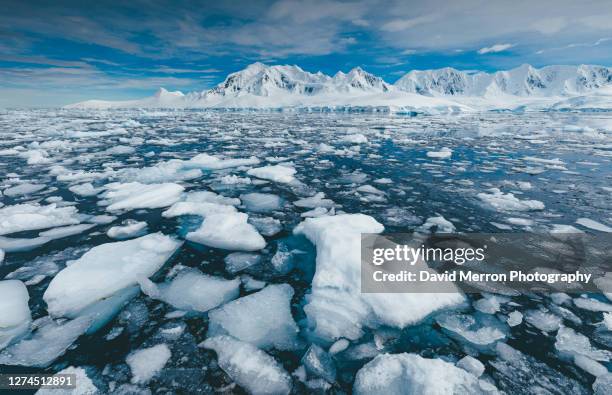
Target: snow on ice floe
(192, 290)
(411, 373)
(570, 344)
(84, 190)
(315, 201)
(500, 201)
(26, 216)
(336, 307)
(249, 367)
(145, 363)
(278, 173)
(106, 270)
(134, 195)
(15, 317)
(261, 202)
(274, 326)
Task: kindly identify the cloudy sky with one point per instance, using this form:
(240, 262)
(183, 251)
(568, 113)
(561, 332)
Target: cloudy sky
(54, 53)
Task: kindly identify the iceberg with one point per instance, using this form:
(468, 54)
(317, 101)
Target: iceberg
(336, 307)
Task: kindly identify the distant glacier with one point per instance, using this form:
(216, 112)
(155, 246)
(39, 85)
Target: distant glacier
(446, 90)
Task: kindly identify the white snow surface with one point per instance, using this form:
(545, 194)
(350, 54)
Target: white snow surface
(106, 270)
(278, 173)
(134, 195)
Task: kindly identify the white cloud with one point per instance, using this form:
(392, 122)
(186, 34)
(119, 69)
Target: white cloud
(495, 48)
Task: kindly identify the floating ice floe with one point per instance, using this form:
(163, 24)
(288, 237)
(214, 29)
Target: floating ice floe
(249, 367)
(315, 201)
(278, 173)
(471, 365)
(84, 190)
(23, 189)
(570, 343)
(135, 195)
(82, 382)
(129, 229)
(172, 170)
(357, 138)
(261, 202)
(480, 331)
(412, 374)
(508, 202)
(444, 153)
(544, 321)
(274, 326)
(146, 363)
(191, 290)
(209, 162)
(65, 231)
(228, 231)
(336, 307)
(48, 341)
(594, 225)
(238, 261)
(21, 217)
(441, 224)
(106, 270)
(15, 317)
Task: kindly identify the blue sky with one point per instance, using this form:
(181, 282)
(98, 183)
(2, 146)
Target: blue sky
(54, 53)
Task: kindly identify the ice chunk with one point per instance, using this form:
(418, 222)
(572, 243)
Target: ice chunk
(317, 200)
(249, 367)
(444, 153)
(339, 346)
(209, 162)
(22, 244)
(172, 170)
(412, 374)
(49, 341)
(441, 224)
(267, 226)
(23, 189)
(590, 366)
(146, 363)
(238, 261)
(319, 363)
(105, 270)
(15, 317)
(191, 290)
(515, 318)
(500, 201)
(128, 229)
(479, 330)
(570, 343)
(592, 304)
(357, 138)
(135, 195)
(228, 231)
(603, 384)
(22, 217)
(84, 190)
(66, 231)
(274, 326)
(336, 307)
(589, 223)
(472, 365)
(84, 385)
(278, 173)
(542, 320)
(261, 202)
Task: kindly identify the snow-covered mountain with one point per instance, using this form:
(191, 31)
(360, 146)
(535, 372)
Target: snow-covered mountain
(444, 90)
(522, 81)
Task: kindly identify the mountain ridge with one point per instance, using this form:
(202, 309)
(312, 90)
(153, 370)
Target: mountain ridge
(446, 89)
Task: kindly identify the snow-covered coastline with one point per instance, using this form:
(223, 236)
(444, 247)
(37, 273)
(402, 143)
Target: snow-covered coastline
(447, 90)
